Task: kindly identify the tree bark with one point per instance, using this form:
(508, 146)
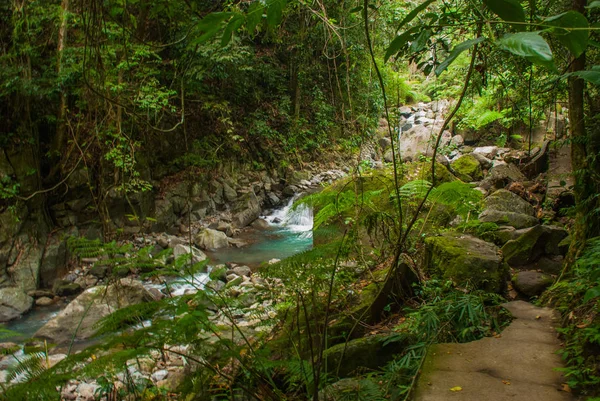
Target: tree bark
(59, 138)
(579, 155)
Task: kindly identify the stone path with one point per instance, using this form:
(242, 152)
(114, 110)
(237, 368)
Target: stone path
(518, 365)
(559, 170)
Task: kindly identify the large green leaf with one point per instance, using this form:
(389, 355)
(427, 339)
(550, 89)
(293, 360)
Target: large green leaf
(529, 45)
(594, 4)
(254, 16)
(234, 24)
(275, 12)
(411, 15)
(574, 40)
(400, 41)
(456, 52)
(210, 25)
(508, 10)
(420, 41)
(590, 76)
(591, 294)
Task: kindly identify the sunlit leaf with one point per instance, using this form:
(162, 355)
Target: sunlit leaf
(456, 52)
(414, 13)
(574, 40)
(529, 45)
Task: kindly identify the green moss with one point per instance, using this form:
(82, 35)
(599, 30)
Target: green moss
(369, 352)
(422, 171)
(467, 261)
(467, 168)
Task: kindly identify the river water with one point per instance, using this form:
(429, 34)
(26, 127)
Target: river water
(289, 232)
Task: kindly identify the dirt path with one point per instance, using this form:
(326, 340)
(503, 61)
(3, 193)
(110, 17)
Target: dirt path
(518, 365)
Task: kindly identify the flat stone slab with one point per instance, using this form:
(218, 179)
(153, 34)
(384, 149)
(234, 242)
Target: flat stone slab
(518, 364)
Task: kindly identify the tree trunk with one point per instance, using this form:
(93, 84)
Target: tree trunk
(59, 138)
(579, 157)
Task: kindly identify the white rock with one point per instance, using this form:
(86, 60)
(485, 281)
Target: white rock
(160, 375)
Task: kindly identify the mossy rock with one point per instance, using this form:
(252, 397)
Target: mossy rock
(370, 353)
(422, 171)
(516, 220)
(467, 168)
(532, 283)
(467, 261)
(506, 201)
(532, 244)
(219, 273)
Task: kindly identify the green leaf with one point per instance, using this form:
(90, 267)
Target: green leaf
(529, 45)
(591, 293)
(593, 4)
(508, 10)
(275, 12)
(254, 16)
(456, 52)
(400, 41)
(574, 40)
(210, 25)
(419, 43)
(590, 76)
(356, 10)
(234, 24)
(411, 15)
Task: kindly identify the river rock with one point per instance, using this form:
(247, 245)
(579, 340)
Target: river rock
(79, 318)
(229, 193)
(466, 260)
(457, 140)
(242, 270)
(13, 303)
(419, 141)
(261, 224)
(64, 288)
(531, 283)
(246, 210)
(467, 168)
(197, 255)
(44, 301)
(211, 239)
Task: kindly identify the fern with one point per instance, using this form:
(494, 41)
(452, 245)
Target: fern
(27, 367)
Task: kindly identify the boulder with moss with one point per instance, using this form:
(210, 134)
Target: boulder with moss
(466, 260)
(467, 168)
(211, 239)
(370, 352)
(532, 244)
(531, 283)
(506, 208)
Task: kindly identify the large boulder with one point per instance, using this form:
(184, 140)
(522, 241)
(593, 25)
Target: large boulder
(197, 255)
(211, 239)
(467, 168)
(420, 140)
(466, 260)
(13, 303)
(532, 244)
(531, 283)
(370, 352)
(501, 176)
(506, 201)
(506, 208)
(246, 210)
(78, 320)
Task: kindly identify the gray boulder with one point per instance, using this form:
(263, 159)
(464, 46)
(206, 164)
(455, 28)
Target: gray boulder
(506, 208)
(211, 239)
(78, 320)
(197, 255)
(246, 211)
(13, 303)
(419, 140)
(531, 283)
(532, 244)
(502, 175)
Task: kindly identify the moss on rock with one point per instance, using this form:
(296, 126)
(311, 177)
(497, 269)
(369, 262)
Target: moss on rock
(466, 260)
(467, 168)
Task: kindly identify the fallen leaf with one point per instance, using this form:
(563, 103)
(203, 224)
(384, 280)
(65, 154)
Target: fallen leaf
(538, 317)
(506, 382)
(457, 388)
(565, 387)
(582, 325)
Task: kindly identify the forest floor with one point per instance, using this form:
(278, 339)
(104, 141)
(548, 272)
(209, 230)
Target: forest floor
(518, 364)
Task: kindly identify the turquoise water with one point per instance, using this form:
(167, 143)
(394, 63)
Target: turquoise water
(290, 232)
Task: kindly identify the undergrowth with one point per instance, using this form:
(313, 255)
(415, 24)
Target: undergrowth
(577, 298)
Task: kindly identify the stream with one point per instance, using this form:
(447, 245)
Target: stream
(289, 232)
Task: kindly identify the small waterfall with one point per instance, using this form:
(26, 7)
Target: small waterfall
(298, 219)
